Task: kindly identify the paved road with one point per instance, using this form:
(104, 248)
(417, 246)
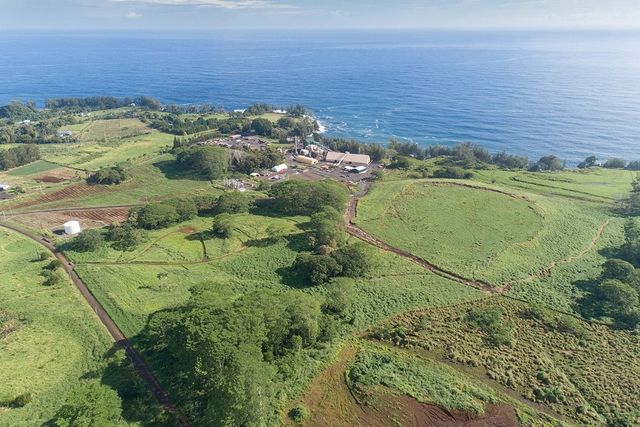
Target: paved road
(120, 339)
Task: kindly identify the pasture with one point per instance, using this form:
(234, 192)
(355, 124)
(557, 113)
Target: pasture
(481, 232)
(104, 131)
(49, 337)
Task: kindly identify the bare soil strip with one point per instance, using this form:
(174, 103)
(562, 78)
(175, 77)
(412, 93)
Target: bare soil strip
(119, 338)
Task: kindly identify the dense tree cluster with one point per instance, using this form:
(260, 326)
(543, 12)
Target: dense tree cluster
(215, 162)
(163, 214)
(17, 111)
(102, 103)
(43, 131)
(615, 163)
(616, 294)
(179, 124)
(229, 357)
(211, 162)
(18, 156)
(108, 176)
(299, 197)
(348, 261)
(548, 163)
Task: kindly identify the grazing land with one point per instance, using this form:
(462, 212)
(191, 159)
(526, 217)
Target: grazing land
(52, 345)
(443, 286)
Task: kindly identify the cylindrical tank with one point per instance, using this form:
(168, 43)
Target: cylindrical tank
(72, 227)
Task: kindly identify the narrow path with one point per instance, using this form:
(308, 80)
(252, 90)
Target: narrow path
(120, 339)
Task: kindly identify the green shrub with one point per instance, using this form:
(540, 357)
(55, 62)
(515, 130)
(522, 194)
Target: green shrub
(316, 269)
(54, 264)
(88, 241)
(453, 172)
(17, 402)
(299, 414)
(53, 278)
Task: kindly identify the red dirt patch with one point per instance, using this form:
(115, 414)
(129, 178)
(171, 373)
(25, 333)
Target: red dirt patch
(424, 415)
(70, 192)
(332, 405)
(50, 179)
(187, 230)
(89, 218)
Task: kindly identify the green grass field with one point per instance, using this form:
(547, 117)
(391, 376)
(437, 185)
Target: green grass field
(598, 184)
(49, 337)
(477, 232)
(107, 130)
(32, 169)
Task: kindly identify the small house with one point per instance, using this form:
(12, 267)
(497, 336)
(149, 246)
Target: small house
(283, 168)
(356, 169)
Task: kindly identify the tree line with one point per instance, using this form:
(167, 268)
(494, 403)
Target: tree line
(18, 156)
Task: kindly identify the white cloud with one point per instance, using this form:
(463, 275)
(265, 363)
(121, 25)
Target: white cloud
(224, 4)
(132, 15)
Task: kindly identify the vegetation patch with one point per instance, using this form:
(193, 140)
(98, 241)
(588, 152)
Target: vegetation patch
(581, 371)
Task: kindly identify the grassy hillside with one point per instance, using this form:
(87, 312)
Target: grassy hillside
(49, 341)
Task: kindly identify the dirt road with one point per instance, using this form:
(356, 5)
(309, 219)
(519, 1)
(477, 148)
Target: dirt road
(119, 338)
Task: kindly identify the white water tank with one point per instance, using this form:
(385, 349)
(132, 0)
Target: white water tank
(72, 227)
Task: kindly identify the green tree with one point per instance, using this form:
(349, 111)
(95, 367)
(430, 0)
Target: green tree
(340, 298)
(126, 237)
(620, 270)
(615, 163)
(90, 404)
(222, 226)
(262, 126)
(549, 163)
(316, 269)
(354, 260)
(208, 161)
(156, 215)
(299, 197)
(88, 241)
(233, 202)
(589, 162)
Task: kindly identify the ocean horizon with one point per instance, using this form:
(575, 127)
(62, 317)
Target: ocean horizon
(531, 93)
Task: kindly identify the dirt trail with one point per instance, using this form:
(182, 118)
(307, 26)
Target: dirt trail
(120, 339)
(354, 230)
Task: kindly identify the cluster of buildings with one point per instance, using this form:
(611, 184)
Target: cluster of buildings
(238, 141)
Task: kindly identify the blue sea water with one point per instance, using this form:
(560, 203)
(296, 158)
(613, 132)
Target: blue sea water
(572, 94)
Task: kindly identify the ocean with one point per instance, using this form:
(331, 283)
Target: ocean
(531, 93)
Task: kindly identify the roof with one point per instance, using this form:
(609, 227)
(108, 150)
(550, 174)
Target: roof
(335, 156)
(279, 168)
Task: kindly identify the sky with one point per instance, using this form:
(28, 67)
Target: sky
(311, 14)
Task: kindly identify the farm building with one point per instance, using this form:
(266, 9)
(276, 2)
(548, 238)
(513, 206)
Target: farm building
(356, 169)
(352, 159)
(72, 227)
(280, 168)
(306, 160)
(64, 134)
